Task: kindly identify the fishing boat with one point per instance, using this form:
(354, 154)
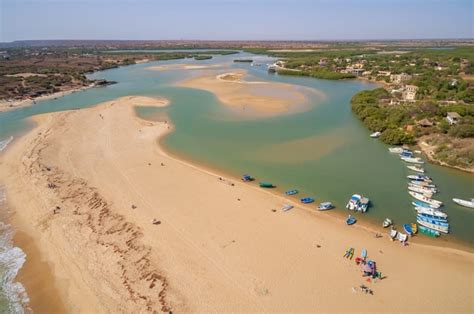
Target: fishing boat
(422, 183)
(387, 222)
(291, 192)
(426, 187)
(412, 160)
(393, 233)
(266, 185)
(307, 200)
(287, 207)
(402, 237)
(406, 153)
(408, 229)
(434, 218)
(414, 228)
(395, 150)
(433, 203)
(419, 177)
(417, 189)
(422, 204)
(325, 206)
(429, 232)
(247, 178)
(430, 211)
(351, 220)
(416, 169)
(464, 203)
(434, 226)
(358, 203)
(375, 134)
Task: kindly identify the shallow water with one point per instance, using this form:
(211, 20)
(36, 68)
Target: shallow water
(324, 152)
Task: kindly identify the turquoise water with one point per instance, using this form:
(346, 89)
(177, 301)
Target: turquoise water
(324, 152)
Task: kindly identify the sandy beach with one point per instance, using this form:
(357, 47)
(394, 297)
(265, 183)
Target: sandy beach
(87, 184)
(251, 97)
(181, 66)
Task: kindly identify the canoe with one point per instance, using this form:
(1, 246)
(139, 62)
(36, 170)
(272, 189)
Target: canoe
(421, 197)
(266, 185)
(307, 200)
(351, 220)
(286, 207)
(464, 203)
(325, 206)
(429, 232)
(291, 192)
(408, 229)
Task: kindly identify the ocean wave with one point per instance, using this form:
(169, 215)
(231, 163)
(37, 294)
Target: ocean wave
(11, 260)
(4, 143)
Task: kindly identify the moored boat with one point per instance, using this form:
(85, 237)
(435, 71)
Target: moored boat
(421, 204)
(419, 177)
(430, 211)
(417, 189)
(351, 220)
(432, 225)
(325, 206)
(413, 160)
(291, 192)
(423, 184)
(247, 178)
(375, 134)
(429, 232)
(266, 185)
(307, 200)
(416, 169)
(395, 150)
(406, 153)
(464, 203)
(387, 222)
(433, 203)
(414, 228)
(358, 203)
(408, 229)
(436, 219)
(393, 233)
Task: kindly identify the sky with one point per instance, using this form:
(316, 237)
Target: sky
(235, 19)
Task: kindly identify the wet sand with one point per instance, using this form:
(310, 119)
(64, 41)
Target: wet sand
(221, 245)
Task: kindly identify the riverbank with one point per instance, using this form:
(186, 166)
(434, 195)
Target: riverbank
(251, 98)
(219, 246)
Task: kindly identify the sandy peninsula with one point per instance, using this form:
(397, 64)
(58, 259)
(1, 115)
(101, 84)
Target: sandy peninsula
(183, 66)
(88, 184)
(252, 97)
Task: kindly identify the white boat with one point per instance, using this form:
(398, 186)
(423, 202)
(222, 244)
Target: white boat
(430, 211)
(423, 184)
(464, 203)
(421, 197)
(426, 187)
(375, 134)
(418, 189)
(286, 207)
(325, 206)
(416, 169)
(419, 177)
(412, 160)
(393, 233)
(395, 150)
(387, 222)
(402, 237)
(358, 203)
(444, 229)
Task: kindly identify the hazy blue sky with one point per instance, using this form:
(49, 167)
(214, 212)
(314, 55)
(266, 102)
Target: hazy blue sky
(235, 19)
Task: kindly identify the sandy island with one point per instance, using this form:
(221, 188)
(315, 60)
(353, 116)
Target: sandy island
(253, 98)
(87, 184)
(182, 66)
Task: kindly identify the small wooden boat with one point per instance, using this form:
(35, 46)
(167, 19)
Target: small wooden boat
(421, 197)
(287, 207)
(387, 222)
(247, 178)
(429, 232)
(351, 220)
(307, 200)
(266, 185)
(423, 184)
(464, 203)
(416, 169)
(422, 204)
(325, 206)
(414, 228)
(408, 229)
(291, 192)
(418, 189)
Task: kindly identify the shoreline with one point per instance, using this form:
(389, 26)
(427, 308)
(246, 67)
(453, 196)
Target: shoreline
(186, 244)
(427, 151)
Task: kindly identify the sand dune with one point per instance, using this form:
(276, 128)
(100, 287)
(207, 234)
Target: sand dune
(219, 246)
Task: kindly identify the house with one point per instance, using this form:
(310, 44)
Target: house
(400, 78)
(384, 73)
(453, 117)
(409, 93)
